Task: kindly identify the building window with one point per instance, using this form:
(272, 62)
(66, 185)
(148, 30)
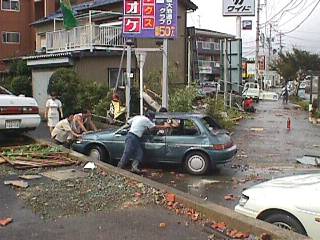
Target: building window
(206, 45)
(10, 5)
(11, 37)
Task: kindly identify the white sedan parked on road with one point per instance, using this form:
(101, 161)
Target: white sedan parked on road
(17, 113)
(292, 203)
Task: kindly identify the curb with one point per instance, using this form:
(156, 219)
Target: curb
(207, 209)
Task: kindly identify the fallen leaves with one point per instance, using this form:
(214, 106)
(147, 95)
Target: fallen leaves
(237, 234)
(162, 225)
(4, 222)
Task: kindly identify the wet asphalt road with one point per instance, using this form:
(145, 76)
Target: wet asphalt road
(262, 155)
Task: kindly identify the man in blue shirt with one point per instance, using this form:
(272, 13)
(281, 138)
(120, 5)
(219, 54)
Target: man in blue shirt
(133, 148)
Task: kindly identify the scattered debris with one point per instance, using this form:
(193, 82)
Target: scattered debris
(4, 222)
(170, 197)
(315, 146)
(265, 236)
(64, 174)
(257, 129)
(236, 119)
(17, 183)
(229, 197)
(2, 160)
(219, 226)
(90, 166)
(30, 177)
(36, 156)
(237, 235)
(162, 225)
(310, 160)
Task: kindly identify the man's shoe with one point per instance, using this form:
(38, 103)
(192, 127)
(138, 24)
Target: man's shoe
(136, 170)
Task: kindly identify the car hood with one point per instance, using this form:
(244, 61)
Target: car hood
(294, 191)
(11, 100)
(98, 135)
(299, 181)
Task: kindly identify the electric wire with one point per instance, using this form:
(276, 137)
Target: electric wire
(305, 19)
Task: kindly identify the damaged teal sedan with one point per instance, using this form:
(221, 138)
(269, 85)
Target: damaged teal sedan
(197, 142)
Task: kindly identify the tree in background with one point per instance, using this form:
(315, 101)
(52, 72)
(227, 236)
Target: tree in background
(296, 65)
(77, 94)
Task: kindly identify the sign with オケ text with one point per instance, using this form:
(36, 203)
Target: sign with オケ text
(150, 18)
(238, 7)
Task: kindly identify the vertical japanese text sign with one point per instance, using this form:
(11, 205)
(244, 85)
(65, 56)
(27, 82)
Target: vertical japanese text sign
(150, 18)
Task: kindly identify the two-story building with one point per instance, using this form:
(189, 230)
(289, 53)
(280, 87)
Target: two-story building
(205, 53)
(17, 36)
(94, 48)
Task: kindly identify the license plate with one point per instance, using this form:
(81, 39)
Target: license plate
(12, 124)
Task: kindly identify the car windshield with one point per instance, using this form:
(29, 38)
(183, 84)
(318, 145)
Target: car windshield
(4, 91)
(210, 123)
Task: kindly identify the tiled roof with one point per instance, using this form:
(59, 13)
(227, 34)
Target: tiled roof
(43, 56)
(79, 8)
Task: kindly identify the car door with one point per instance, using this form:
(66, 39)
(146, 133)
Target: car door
(154, 145)
(187, 135)
(117, 143)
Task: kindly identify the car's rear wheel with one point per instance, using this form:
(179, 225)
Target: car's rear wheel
(196, 163)
(285, 221)
(97, 153)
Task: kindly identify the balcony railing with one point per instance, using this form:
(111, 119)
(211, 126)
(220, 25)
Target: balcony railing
(209, 46)
(208, 67)
(84, 37)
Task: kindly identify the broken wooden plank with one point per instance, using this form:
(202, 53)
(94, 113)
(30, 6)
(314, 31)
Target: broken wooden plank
(17, 183)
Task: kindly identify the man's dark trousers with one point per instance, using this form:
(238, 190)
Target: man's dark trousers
(133, 149)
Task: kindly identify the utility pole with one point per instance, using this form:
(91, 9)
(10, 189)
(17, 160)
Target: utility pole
(281, 46)
(225, 71)
(267, 75)
(257, 41)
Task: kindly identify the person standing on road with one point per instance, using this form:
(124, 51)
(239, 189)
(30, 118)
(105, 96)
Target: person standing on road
(133, 148)
(286, 95)
(62, 133)
(53, 111)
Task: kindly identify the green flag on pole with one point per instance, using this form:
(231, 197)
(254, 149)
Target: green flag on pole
(69, 20)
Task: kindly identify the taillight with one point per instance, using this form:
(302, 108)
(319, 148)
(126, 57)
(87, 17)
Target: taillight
(220, 147)
(5, 110)
(30, 110)
(10, 110)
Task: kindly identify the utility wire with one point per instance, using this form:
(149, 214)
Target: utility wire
(295, 15)
(314, 8)
(279, 12)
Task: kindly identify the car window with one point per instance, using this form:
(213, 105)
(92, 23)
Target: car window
(210, 123)
(186, 127)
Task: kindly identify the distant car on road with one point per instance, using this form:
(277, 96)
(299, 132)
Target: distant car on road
(198, 143)
(292, 203)
(17, 113)
(251, 89)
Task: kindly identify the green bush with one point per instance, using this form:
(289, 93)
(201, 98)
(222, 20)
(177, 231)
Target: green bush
(21, 85)
(215, 108)
(181, 100)
(103, 105)
(66, 84)
(90, 94)
(19, 80)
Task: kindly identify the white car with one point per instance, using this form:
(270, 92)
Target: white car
(17, 113)
(291, 203)
(251, 89)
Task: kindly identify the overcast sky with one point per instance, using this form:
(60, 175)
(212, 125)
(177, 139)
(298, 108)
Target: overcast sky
(285, 15)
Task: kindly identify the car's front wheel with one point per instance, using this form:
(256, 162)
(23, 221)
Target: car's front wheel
(97, 153)
(285, 221)
(196, 163)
